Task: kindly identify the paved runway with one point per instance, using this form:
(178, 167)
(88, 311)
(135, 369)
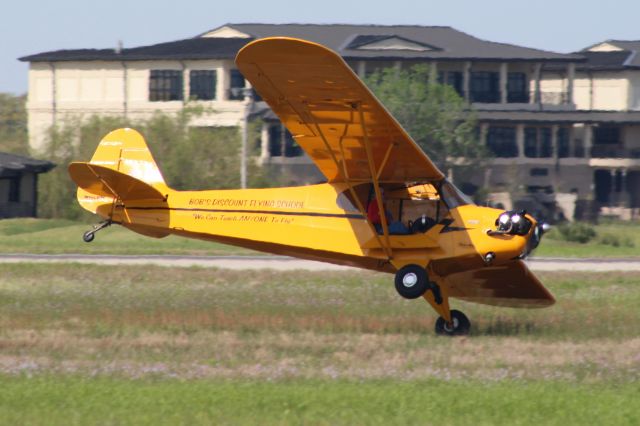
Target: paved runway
(282, 263)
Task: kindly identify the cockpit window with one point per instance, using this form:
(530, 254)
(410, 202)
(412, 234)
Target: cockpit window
(452, 196)
(344, 201)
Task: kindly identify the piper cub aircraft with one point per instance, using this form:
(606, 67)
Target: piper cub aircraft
(385, 206)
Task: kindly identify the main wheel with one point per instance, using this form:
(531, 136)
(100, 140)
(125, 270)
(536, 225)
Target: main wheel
(460, 325)
(411, 281)
(88, 236)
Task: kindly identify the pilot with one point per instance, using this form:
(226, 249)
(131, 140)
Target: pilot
(373, 215)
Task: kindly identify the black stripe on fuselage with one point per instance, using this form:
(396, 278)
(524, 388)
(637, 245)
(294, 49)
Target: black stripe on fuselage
(279, 213)
(448, 228)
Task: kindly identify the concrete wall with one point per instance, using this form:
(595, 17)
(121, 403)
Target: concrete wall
(605, 91)
(63, 90)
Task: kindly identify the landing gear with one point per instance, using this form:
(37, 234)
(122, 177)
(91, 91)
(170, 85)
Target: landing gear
(88, 236)
(458, 326)
(411, 281)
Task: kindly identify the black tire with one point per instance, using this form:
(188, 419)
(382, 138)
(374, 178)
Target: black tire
(88, 236)
(461, 325)
(411, 281)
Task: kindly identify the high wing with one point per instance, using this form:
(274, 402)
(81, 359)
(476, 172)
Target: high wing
(332, 115)
(508, 285)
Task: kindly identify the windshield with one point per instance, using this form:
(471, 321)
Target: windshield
(452, 196)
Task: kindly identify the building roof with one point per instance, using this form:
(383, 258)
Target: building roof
(351, 41)
(611, 55)
(192, 48)
(12, 164)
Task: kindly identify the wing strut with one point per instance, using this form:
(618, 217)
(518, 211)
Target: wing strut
(354, 195)
(374, 177)
(342, 169)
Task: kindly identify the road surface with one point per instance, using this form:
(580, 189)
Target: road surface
(282, 263)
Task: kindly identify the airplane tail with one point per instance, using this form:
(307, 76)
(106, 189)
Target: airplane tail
(122, 169)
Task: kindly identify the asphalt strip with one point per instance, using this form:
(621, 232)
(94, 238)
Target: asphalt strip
(281, 263)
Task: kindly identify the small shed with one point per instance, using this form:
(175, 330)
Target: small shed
(19, 184)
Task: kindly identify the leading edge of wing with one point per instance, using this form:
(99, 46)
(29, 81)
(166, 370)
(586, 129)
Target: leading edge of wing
(324, 104)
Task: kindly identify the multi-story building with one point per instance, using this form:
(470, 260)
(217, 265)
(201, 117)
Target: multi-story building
(541, 113)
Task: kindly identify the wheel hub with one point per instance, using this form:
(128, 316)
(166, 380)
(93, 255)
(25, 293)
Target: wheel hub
(410, 279)
(452, 326)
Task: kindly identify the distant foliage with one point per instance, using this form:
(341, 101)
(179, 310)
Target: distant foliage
(190, 158)
(435, 116)
(616, 240)
(576, 232)
(13, 124)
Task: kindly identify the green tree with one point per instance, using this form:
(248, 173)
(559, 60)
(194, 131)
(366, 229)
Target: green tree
(13, 124)
(435, 116)
(190, 158)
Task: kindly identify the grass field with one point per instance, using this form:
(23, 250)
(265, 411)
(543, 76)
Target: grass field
(62, 236)
(55, 236)
(83, 344)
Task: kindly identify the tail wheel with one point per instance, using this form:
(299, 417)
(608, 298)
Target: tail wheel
(88, 236)
(459, 326)
(411, 281)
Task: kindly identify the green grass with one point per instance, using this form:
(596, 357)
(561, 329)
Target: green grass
(88, 344)
(52, 236)
(120, 299)
(625, 234)
(78, 401)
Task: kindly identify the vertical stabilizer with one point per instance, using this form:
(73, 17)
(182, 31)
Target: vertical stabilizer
(126, 151)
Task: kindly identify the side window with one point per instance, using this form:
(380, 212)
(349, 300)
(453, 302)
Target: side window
(202, 85)
(165, 85)
(236, 92)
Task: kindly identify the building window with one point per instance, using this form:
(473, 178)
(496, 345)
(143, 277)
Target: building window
(484, 87)
(546, 148)
(165, 85)
(502, 141)
(275, 141)
(282, 144)
(606, 135)
(537, 142)
(606, 142)
(539, 172)
(236, 92)
(202, 85)
(530, 142)
(454, 79)
(517, 88)
(14, 189)
(563, 142)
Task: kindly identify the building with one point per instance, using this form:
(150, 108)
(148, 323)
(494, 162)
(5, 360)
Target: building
(19, 185)
(552, 142)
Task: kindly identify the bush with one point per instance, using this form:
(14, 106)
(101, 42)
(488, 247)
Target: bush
(616, 240)
(576, 232)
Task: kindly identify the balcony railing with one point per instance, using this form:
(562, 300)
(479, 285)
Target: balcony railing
(549, 98)
(552, 98)
(608, 151)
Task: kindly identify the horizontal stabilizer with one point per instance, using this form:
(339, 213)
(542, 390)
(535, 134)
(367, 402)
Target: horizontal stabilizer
(107, 182)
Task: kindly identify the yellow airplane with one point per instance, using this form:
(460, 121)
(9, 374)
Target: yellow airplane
(432, 237)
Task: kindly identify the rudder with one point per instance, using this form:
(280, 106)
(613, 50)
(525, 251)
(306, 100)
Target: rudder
(126, 151)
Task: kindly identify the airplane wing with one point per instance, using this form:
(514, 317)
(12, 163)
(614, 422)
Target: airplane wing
(511, 285)
(332, 115)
